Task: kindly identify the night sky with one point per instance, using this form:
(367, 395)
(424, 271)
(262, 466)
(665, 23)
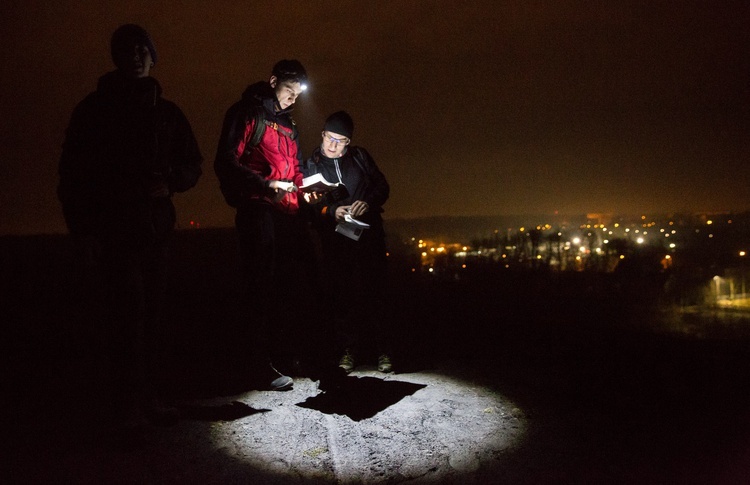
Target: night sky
(469, 108)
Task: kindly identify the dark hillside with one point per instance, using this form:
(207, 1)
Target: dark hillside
(652, 402)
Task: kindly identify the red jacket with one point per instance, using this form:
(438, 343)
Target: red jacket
(243, 169)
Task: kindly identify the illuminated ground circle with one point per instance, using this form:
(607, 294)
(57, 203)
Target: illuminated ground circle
(448, 428)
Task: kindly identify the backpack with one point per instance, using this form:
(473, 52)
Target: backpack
(231, 186)
(259, 115)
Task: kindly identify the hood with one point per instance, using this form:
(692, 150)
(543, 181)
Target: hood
(115, 84)
(262, 92)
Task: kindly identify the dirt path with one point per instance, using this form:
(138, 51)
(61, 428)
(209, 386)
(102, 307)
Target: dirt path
(436, 428)
(373, 428)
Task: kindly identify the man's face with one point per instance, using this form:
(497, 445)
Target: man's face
(333, 145)
(286, 92)
(134, 60)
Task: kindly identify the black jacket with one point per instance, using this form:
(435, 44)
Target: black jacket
(122, 140)
(361, 178)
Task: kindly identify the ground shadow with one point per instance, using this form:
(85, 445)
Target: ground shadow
(603, 399)
(360, 397)
(224, 412)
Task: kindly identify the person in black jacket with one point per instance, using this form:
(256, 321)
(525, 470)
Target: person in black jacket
(354, 257)
(127, 150)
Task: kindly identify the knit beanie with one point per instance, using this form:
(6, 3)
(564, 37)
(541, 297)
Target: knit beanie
(341, 123)
(126, 36)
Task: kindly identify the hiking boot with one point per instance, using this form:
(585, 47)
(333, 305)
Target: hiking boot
(384, 364)
(267, 378)
(282, 382)
(347, 362)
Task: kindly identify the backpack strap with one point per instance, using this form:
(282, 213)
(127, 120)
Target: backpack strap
(260, 125)
(359, 159)
(259, 115)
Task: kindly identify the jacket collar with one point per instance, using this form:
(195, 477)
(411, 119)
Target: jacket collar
(262, 93)
(115, 85)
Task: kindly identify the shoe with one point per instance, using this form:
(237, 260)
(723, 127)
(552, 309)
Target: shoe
(347, 362)
(281, 383)
(266, 378)
(384, 364)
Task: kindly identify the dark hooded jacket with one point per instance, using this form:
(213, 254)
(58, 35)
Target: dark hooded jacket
(122, 141)
(243, 169)
(361, 179)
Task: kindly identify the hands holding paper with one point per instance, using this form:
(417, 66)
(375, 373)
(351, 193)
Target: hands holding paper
(358, 208)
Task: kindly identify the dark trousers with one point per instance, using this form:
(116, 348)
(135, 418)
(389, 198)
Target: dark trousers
(356, 275)
(278, 265)
(135, 277)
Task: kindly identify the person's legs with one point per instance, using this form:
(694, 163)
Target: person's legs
(125, 329)
(159, 357)
(375, 321)
(303, 322)
(257, 236)
(341, 298)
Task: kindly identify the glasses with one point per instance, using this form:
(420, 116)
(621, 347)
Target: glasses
(333, 140)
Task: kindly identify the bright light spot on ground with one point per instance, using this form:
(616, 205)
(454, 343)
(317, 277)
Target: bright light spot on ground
(447, 428)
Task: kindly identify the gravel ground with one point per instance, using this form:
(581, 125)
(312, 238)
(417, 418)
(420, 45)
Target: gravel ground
(423, 427)
(449, 425)
(524, 379)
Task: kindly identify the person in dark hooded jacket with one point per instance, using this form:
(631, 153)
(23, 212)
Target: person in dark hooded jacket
(258, 167)
(127, 150)
(354, 259)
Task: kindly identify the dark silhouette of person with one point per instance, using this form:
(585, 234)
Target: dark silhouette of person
(127, 150)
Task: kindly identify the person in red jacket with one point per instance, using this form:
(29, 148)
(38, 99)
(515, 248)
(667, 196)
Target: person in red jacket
(258, 167)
